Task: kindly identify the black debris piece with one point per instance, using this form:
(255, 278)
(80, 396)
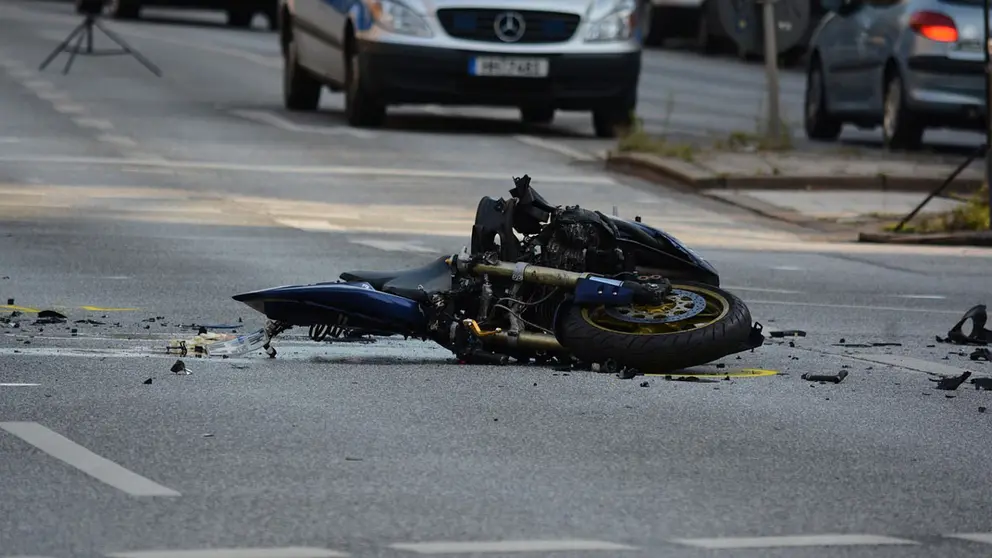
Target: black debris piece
(832, 378)
(792, 344)
(359, 458)
(208, 435)
(952, 383)
(90, 322)
(645, 384)
(950, 396)
(179, 368)
(46, 317)
(979, 335)
(721, 365)
(147, 382)
(10, 302)
(981, 353)
(201, 331)
(982, 409)
(982, 383)
(787, 333)
(842, 340)
(696, 379)
(886, 344)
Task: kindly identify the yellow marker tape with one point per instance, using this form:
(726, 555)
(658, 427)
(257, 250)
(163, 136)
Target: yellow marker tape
(99, 309)
(20, 308)
(733, 373)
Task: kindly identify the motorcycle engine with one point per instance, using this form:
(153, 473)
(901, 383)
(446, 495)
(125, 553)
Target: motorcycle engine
(580, 240)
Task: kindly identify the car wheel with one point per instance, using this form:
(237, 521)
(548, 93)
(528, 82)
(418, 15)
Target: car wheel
(125, 9)
(819, 123)
(537, 115)
(900, 127)
(361, 107)
(705, 42)
(611, 122)
(301, 91)
(240, 17)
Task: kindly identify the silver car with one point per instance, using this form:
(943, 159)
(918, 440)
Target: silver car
(537, 55)
(906, 65)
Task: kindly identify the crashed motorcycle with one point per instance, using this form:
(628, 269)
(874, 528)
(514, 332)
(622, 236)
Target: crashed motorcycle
(541, 283)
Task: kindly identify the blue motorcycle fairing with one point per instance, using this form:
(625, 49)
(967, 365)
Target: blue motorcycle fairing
(600, 290)
(668, 251)
(325, 303)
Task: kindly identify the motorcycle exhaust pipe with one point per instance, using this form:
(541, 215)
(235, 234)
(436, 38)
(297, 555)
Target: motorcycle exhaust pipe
(515, 340)
(524, 272)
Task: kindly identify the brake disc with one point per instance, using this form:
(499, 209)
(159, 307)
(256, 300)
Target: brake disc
(679, 305)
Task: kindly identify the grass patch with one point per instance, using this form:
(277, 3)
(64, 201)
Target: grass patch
(637, 140)
(972, 216)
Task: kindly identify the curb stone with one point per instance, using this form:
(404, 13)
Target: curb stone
(696, 177)
(968, 238)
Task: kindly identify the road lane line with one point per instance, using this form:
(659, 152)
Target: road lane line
(117, 140)
(277, 121)
(98, 123)
(287, 552)
(554, 146)
(77, 456)
(68, 108)
(38, 84)
(792, 541)
(18, 385)
(920, 297)
(759, 290)
(314, 170)
(855, 307)
(984, 538)
(443, 547)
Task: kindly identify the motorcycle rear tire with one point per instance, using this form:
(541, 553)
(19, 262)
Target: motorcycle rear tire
(652, 353)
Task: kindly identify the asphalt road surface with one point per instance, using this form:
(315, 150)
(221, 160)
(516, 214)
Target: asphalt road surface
(145, 203)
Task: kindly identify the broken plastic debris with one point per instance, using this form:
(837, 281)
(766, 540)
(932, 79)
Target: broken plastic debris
(787, 333)
(180, 368)
(50, 317)
(981, 353)
(951, 384)
(978, 336)
(832, 378)
(239, 345)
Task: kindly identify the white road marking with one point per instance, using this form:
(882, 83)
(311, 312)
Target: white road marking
(117, 140)
(984, 538)
(18, 385)
(393, 245)
(17, 72)
(68, 108)
(98, 123)
(760, 290)
(77, 456)
(287, 552)
(921, 297)
(787, 268)
(10, 140)
(38, 84)
(281, 123)
(855, 307)
(507, 546)
(315, 170)
(557, 147)
(793, 541)
(53, 96)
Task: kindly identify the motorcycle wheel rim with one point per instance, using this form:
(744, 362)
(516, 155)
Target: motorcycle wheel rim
(717, 308)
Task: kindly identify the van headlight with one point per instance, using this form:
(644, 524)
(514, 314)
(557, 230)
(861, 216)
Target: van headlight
(397, 18)
(618, 25)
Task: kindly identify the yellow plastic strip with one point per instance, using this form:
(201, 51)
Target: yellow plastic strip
(733, 373)
(100, 309)
(20, 308)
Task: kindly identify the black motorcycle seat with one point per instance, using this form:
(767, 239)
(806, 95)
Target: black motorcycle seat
(433, 277)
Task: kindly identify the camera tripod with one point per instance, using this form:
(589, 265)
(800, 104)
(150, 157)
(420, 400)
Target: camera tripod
(85, 32)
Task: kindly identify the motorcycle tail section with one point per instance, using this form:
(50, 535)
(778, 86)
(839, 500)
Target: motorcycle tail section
(345, 306)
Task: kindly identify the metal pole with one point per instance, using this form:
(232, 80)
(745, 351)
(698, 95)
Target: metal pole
(771, 67)
(988, 106)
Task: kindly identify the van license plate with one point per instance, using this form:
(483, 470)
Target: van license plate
(509, 67)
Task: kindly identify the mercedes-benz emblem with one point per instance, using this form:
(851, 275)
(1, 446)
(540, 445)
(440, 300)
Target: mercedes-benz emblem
(509, 27)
